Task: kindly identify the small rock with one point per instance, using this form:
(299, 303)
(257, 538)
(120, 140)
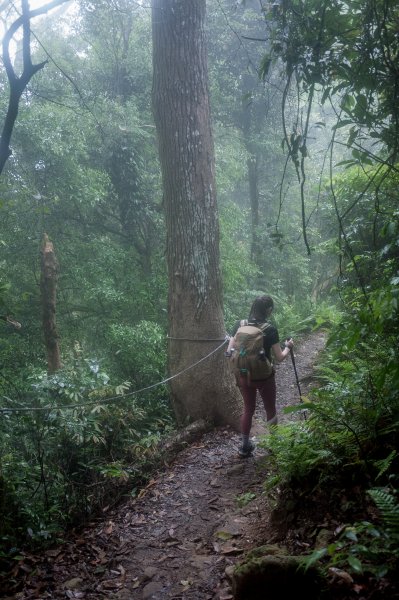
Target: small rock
(151, 588)
(229, 571)
(73, 584)
(236, 469)
(149, 573)
(225, 595)
(323, 538)
(200, 561)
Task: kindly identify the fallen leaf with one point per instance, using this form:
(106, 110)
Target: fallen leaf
(53, 552)
(98, 570)
(341, 574)
(225, 596)
(215, 483)
(231, 550)
(122, 570)
(223, 535)
(24, 567)
(80, 542)
(111, 584)
(214, 499)
(110, 527)
(73, 583)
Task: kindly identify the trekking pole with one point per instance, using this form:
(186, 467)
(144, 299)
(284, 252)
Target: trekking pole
(297, 379)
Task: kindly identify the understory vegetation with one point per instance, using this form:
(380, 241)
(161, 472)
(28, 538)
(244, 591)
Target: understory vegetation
(308, 213)
(346, 448)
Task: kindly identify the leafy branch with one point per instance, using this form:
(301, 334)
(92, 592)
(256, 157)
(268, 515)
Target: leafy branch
(18, 83)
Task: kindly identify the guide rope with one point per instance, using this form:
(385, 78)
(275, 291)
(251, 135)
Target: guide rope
(184, 339)
(113, 398)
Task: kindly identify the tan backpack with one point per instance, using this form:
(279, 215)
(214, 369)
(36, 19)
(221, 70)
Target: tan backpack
(249, 358)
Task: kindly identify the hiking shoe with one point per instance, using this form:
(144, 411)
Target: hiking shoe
(245, 451)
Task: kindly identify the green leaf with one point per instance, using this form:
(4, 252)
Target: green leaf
(352, 136)
(315, 556)
(342, 123)
(348, 163)
(298, 407)
(355, 564)
(325, 95)
(223, 535)
(351, 535)
(348, 103)
(264, 66)
(361, 107)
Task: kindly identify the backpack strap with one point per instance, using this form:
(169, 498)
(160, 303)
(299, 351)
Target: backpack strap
(261, 326)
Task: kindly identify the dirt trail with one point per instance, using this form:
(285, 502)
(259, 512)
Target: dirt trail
(187, 527)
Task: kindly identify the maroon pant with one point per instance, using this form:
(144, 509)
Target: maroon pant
(267, 391)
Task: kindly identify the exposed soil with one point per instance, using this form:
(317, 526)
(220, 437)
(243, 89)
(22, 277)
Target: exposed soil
(176, 540)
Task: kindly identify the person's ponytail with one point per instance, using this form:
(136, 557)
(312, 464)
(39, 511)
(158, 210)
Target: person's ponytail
(261, 309)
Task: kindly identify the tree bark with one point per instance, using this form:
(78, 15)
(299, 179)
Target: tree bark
(195, 305)
(48, 288)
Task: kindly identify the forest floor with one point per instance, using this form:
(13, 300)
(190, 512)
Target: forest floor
(179, 537)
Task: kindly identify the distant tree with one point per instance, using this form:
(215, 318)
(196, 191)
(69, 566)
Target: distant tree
(182, 115)
(246, 98)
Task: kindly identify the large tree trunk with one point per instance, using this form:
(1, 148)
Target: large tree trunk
(48, 288)
(182, 116)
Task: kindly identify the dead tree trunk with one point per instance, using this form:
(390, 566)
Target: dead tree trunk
(48, 289)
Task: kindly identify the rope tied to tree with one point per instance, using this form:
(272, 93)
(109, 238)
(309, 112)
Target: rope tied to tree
(184, 339)
(113, 398)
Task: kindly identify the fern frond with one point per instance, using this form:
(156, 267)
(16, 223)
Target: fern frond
(389, 508)
(383, 465)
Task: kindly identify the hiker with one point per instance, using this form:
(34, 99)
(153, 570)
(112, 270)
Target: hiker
(261, 310)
